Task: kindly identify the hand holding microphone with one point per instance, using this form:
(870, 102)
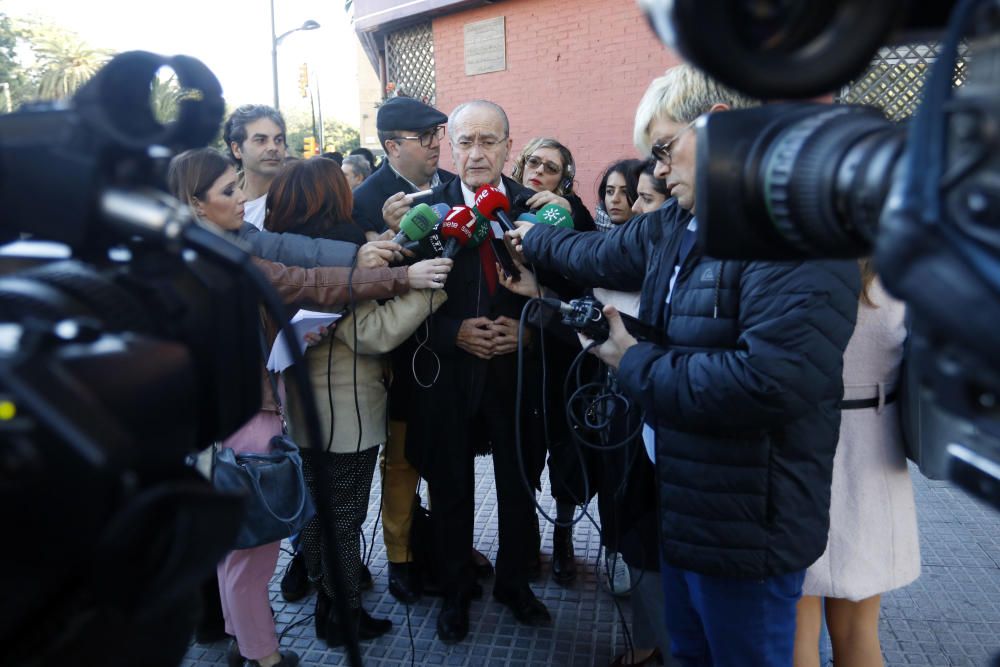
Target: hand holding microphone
(430, 273)
(546, 198)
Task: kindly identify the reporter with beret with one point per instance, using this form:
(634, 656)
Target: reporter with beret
(410, 133)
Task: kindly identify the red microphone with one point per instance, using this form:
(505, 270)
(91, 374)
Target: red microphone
(493, 204)
(457, 228)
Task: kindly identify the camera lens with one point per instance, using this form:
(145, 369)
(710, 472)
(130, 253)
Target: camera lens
(794, 180)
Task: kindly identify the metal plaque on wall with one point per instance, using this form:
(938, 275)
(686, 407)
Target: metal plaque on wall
(485, 46)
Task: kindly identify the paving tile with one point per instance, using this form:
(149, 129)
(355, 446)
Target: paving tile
(950, 617)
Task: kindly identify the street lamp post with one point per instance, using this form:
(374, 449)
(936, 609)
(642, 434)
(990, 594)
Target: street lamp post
(275, 41)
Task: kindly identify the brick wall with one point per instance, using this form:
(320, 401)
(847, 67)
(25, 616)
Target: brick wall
(575, 71)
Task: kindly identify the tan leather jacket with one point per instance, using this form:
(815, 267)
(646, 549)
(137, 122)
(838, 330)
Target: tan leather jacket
(325, 288)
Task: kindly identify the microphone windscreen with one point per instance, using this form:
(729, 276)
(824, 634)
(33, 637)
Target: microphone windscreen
(441, 210)
(489, 200)
(553, 214)
(418, 222)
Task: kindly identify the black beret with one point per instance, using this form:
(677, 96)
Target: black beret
(406, 113)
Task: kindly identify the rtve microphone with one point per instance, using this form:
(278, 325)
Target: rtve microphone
(457, 229)
(418, 222)
(494, 205)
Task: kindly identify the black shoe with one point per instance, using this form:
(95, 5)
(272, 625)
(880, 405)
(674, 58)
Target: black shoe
(321, 615)
(404, 582)
(295, 584)
(288, 659)
(453, 621)
(482, 565)
(365, 578)
(527, 608)
(563, 563)
(365, 627)
(370, 627)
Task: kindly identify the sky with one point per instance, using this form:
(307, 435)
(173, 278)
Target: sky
(232, 37)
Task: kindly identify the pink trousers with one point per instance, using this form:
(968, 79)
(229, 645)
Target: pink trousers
(244, 573)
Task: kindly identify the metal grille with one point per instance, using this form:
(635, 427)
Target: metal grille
(409, 56)
(895, 81)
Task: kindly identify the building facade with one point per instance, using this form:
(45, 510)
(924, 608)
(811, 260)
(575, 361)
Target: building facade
(570, 70)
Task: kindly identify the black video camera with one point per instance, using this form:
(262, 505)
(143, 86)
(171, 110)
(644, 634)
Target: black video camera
(115, 365)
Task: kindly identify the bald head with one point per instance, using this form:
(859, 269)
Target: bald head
(480, 142)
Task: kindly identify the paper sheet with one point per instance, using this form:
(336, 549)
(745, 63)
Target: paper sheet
(304, 321)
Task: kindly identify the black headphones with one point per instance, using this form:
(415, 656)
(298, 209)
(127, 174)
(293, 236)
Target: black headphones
(566, 184)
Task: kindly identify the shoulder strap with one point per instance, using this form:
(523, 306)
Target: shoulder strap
(270, 377)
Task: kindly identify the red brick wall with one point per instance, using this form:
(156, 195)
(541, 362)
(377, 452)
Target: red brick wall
(575, 71)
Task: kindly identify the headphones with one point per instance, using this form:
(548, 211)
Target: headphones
(566, 184)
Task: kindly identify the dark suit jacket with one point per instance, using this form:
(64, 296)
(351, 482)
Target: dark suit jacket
(441, 433)
(370, 196)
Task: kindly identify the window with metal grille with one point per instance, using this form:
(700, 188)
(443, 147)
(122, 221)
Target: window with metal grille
(895, 80)
(409, 60)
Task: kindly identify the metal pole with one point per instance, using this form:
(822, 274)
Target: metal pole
(274, 59)
(319, 112)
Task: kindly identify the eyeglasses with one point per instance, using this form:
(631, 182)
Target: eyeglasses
(664, 152)
(426, 138)
(487, 144)
(551, 168)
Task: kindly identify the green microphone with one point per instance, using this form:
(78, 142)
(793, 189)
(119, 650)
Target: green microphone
(418, 222)
(553, 214)
(481, 233)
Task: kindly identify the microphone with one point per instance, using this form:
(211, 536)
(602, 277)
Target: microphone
(457, 229)
(494, 205)
(417, 223)
(553, 214)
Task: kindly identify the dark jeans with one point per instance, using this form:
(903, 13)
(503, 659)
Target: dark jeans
(723, 621)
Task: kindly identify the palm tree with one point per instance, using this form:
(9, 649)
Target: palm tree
(64, 62)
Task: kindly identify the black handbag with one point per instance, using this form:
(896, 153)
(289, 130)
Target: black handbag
(278, 504)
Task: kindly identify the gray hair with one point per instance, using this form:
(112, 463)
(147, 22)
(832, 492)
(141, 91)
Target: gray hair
(485, 104)
(359, 164)
(682, 94)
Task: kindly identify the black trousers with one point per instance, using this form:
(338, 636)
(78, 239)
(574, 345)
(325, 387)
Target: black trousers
(453, 506)
(351, 479)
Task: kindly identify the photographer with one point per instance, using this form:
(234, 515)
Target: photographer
(742, 406)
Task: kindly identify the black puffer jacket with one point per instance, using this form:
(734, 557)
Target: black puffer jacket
(744, 399)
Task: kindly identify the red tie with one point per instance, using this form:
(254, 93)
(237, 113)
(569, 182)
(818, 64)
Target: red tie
(489, 260)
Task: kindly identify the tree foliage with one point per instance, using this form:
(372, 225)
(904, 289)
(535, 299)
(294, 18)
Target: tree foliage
(338, 136)
(63, 61)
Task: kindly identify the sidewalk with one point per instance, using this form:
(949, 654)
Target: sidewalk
(950, 616)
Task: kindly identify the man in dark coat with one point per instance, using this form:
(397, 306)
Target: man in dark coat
(741, 405)
(464, 397)
(410, 133)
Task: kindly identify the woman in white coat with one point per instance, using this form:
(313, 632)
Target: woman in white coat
(873, 545)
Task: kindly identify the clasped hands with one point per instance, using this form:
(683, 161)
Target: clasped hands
(486, 338)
